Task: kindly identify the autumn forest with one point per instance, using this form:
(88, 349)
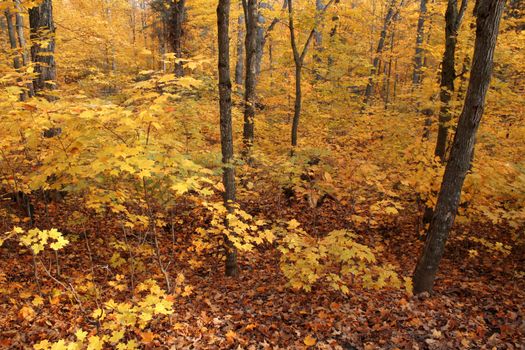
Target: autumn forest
(262, 174)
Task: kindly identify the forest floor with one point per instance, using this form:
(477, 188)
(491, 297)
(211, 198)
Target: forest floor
(477, 304)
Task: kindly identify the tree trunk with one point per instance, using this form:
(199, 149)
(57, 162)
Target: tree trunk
(261, 40)
(453, 20)
(239, 66)
(250, 15)
(12, 39)
(297, 105)
(177, 19)
(298, 58)
(418, 57)
(42, 36)
(389, 69)
(488, 13)
(225, 102)
(380, 46)
(318, 42)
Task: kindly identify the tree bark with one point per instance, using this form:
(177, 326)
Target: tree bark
(42, 36)
(239, 66)
(261, 40)
(453, 19)
(225, 102)
(176, 32)
(418, 57)
(12, 39)
(488, 13)
(250, 16)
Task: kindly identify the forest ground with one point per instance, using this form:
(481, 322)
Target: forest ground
(477, 304)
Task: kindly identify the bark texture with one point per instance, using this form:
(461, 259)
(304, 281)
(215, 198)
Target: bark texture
(453, 19)
(250, 15)
(12, 38)
(225, 103)
(488, 14)
(418, 57)
(42, 36)
(177, 11)
(239, 65)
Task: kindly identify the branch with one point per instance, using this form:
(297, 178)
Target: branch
(461, 13)
(312, 32)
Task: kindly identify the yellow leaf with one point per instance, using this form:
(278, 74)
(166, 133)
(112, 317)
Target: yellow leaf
(292, 224)
(81, 335)
(37, 301)
(95, 343)
(309, 340)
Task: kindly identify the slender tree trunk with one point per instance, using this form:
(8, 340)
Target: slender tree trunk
(297, 105)
(389, 69)
(239, 66)
(261, 40)
(453, 19)
(43, 46)
(298, 58)
(225, 91)
(418, 57)
(177, 11)
(488, 13)
(12, 39)
(22, 43)
(318, 42)
(391, 11)
(250, 15)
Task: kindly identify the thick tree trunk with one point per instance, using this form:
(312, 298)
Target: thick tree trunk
(239, 66)
(176, 21)
(43, 45)
(380, 46)
(250, 15)
(418, 57)
(453, 20)
(225, 91)
(488, 14)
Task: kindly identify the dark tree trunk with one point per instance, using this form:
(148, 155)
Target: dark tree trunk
(42, 54)
(12, 38)
(225, 91)
(250, 15)
(488, 13)
(418, 57)
(297, 105)
(176, 33)
(453, 19)
(380, 46)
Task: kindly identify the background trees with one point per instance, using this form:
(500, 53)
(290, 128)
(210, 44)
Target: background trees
(122, 198)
